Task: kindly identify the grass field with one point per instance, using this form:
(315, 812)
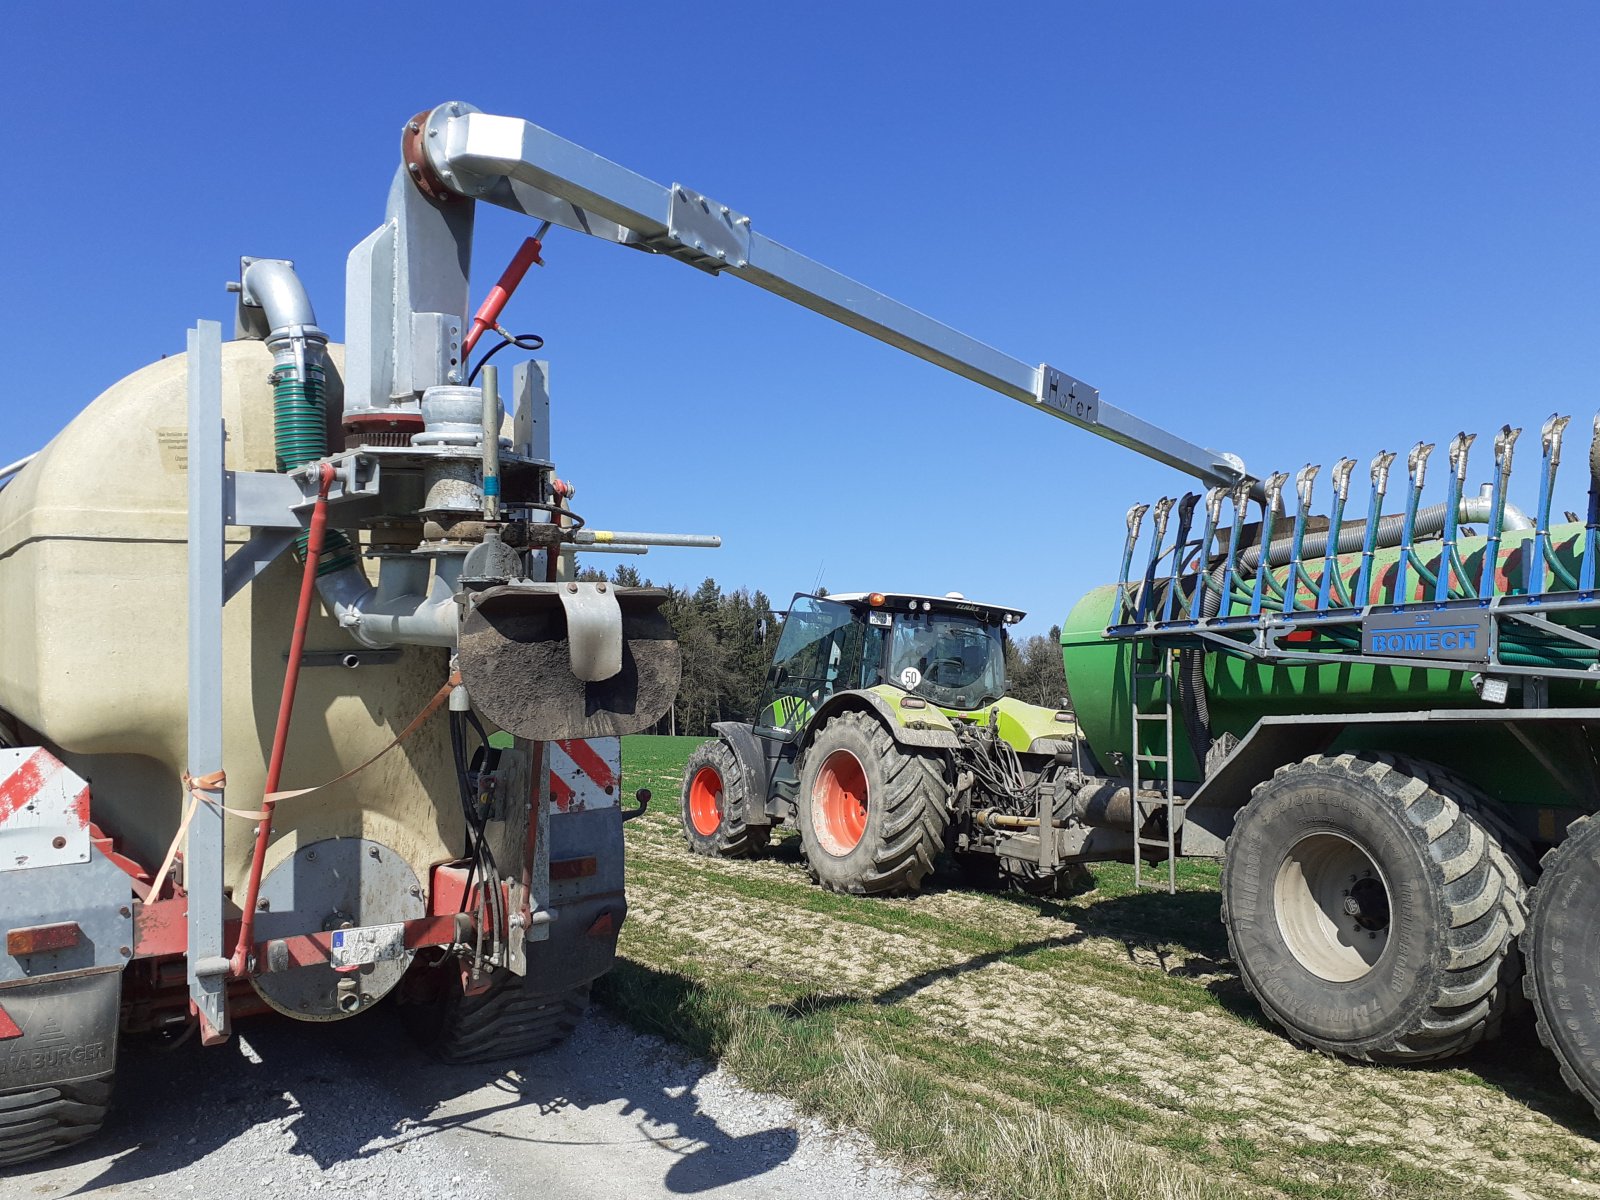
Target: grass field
(1095, 1047)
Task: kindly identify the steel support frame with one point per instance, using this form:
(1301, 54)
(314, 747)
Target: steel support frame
(203, 858)
(518, 165)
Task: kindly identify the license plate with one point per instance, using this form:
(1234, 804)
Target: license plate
(370, 944)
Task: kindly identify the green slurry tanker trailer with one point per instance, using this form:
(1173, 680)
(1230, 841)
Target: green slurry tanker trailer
(1386, 728)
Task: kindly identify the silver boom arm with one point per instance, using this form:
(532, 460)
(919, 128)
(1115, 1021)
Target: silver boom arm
(456, 151)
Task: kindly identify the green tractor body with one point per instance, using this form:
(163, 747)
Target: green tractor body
(886, 737)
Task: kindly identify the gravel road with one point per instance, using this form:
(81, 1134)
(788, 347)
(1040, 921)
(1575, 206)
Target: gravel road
(290, 1110)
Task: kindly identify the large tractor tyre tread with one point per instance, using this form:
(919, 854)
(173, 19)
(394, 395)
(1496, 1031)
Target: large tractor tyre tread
(715, 805)
(1474, 903)
(38, 1121)
(1564, 958)
(907, 809)
(507, 1021)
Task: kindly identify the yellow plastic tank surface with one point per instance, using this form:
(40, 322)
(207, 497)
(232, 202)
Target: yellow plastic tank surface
(93, 649)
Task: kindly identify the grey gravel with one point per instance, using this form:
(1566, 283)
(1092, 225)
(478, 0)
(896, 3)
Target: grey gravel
(352, 1109)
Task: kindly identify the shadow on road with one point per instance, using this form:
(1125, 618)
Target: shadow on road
(347, 1091)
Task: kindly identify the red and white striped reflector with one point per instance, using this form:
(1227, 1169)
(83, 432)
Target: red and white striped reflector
(44, 811)
(585, 774)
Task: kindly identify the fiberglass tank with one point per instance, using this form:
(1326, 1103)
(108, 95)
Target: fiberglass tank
(93, 658)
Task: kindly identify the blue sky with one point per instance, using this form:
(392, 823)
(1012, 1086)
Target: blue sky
(1291, 231)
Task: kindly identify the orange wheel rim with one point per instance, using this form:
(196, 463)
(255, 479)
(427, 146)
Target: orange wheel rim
(839, 803)
(705, 801)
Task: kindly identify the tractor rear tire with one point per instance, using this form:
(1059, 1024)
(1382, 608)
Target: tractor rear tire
(37, 1121)
(1562, 946)
(871, 812)
(716, 803)
(1372, 908)
(509, 1020)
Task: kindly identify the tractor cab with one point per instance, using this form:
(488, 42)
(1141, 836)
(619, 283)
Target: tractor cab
(947, 650)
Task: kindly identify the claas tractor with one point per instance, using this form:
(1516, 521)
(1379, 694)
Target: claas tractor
(885, 737)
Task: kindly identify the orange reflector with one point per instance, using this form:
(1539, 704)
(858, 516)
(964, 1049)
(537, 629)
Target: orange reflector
(604, 926)
(876, 599)
(572, 868)
(41, 939)
(8, 1028)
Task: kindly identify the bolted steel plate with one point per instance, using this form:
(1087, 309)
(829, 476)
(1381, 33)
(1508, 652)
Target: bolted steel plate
(353, 885)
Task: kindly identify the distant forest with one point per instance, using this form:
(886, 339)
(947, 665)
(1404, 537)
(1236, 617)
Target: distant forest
(725, 655)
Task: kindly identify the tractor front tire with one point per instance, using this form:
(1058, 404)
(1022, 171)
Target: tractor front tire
(1372, 908)
(508, 1020)
(871, 813)
(716, 803)
(1562, 945)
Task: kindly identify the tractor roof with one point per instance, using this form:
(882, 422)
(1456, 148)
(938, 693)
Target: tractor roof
(954, 602)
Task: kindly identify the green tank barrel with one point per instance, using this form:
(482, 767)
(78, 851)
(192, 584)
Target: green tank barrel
(1239, 691)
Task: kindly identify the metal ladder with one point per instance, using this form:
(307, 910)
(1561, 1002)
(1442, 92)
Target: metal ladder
(1153, 686)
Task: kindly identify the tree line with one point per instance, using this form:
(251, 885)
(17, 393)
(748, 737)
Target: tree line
(727, 639)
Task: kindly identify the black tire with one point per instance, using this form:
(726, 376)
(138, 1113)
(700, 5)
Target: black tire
(1562, 946)
(1025, 878)
(1343, 973)
(38, 1121)
(715, 804)
(905, 809)
(509, 1020)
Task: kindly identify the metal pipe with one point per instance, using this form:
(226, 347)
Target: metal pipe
(11, 469)
(272, 286)
(1214, 497)
(1241, 497)
(1416, 472)
(603, 537)
(1331, 541)
(1305, 480)
(1591, 533)
(1381, 463)
(491, 442)
(1505, 443)
(1550, 442)
(1269, 514)
(392, 613)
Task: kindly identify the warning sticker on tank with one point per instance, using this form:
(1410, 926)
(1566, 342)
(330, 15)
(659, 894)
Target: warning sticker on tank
(373, 943)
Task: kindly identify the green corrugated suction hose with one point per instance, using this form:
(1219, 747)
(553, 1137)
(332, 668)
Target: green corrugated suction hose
(300, 436)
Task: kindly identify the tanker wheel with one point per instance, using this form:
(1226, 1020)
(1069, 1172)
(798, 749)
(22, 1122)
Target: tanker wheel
(871, 813)
(1025, 878)
(1562, 945)
(716, 800)
(37, 1121)
(1372, 908)
(509, 1020)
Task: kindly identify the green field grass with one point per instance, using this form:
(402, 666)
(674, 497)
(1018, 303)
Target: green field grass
(1099, 1046)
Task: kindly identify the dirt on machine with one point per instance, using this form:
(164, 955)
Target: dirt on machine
(887, 738)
